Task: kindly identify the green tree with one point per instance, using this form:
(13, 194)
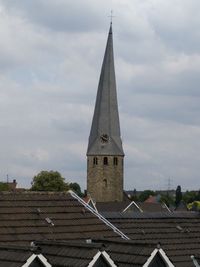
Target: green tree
(178, 195)
(197, 198)
(189, 196)
(145, 194)
(76, 188)
(4, 186)
(49, 181)
(167, 199)
(194, 206)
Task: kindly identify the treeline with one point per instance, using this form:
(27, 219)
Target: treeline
(53, 181)
(168, 198)
(47, 181)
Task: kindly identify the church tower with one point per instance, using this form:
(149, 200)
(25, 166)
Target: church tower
(105, 153)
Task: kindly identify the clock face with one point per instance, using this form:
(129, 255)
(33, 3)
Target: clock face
(104, 138)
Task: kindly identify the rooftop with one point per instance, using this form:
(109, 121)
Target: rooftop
(178, 232)
(30, 216)
(122, 253)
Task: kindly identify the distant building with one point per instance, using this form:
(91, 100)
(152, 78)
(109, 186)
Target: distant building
(8, 186)
(12, 185)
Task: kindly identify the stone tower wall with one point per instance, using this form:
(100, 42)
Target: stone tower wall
(105, 181)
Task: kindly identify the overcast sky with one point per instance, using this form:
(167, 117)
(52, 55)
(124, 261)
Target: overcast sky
(50, 59)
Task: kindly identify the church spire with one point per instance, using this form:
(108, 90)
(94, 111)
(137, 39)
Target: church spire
(105, 131)
(105, 153)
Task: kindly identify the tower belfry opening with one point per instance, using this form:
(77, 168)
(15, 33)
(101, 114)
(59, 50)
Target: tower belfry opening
(105, 144)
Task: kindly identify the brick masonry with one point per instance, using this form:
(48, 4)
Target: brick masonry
(105, 182)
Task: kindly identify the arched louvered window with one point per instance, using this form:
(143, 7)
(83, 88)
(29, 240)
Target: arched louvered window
(95, 161)
(105, 161)
(115, 161)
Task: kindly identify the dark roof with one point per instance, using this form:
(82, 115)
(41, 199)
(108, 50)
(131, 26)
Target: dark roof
(112, 206)
(181, 206)
(178, 233)
(197, 257)
(122, 253)
(30, 216)
(134, 206)
(112, 216)
(106, 117)
(14, 256)
(152, 207)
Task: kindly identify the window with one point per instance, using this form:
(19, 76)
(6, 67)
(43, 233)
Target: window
(105, 161)
(105, 182)
(115, 161)
(95, 161)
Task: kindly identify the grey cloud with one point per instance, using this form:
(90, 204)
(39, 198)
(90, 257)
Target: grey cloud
(51, 57)
(164, 108)
(59, 16)
(161, 151)
(177, 24)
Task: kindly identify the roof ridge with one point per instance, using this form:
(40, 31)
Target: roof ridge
(27, 192)
(127, 242)
(68, 243)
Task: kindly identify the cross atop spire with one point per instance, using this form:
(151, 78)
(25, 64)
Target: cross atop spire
(111, 16)
(105, 131)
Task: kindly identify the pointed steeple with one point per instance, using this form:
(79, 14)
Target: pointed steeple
(105, 136)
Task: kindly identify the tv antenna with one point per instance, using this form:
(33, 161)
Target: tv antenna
(169, 184)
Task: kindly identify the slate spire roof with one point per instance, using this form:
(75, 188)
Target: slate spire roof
(106, 117)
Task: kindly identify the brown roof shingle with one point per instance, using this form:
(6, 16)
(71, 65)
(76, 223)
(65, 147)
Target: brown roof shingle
(123, 253)
(178, 233)
(30, 216)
